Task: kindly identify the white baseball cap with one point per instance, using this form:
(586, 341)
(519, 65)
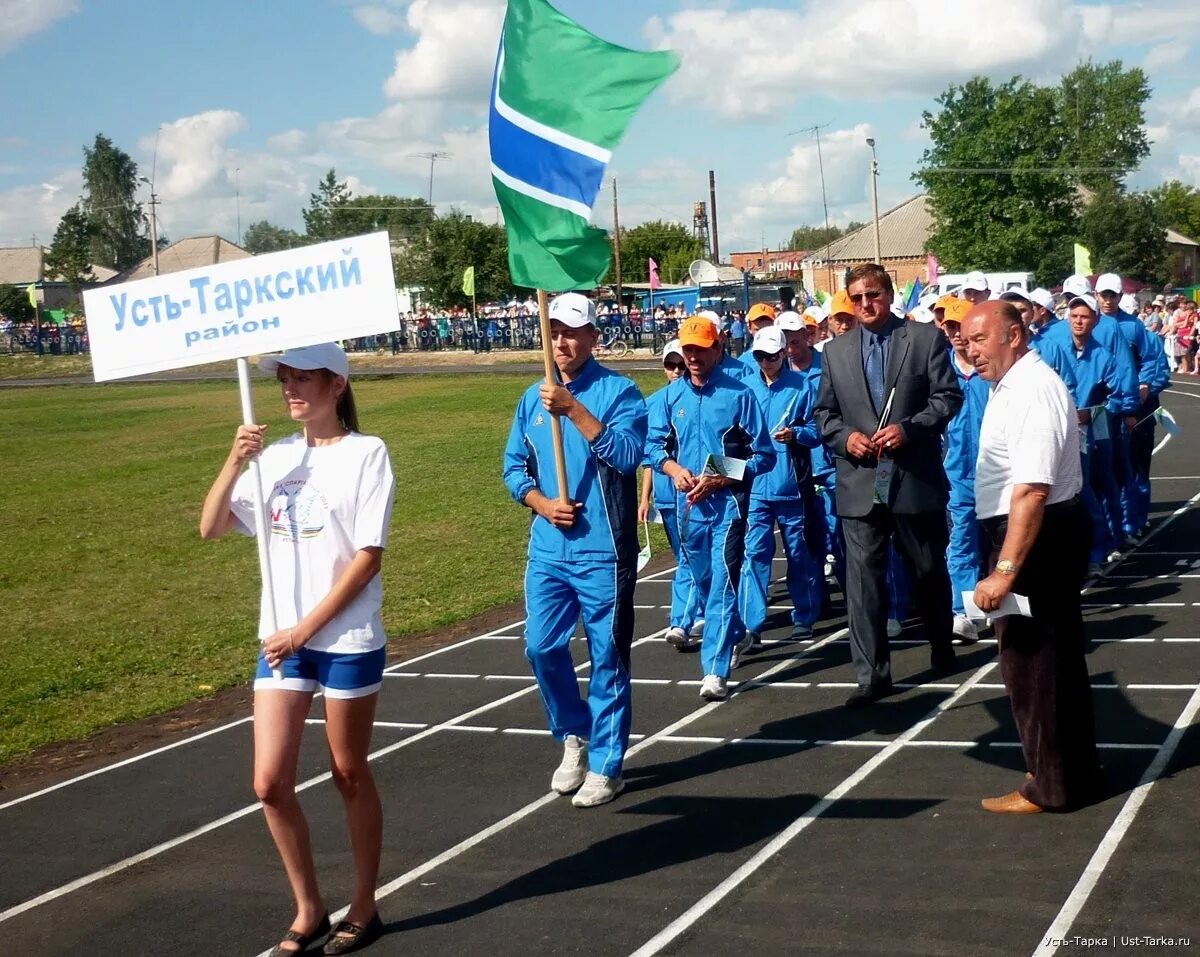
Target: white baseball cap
(1043, 298)
(1109, 282)
(1127, 304)
(976, 280)
(672, 348)
(710, 316)
(1011, 295)
(1077, 286)
(922, 314)
(325, 355)
(789, 321)
(573, 309)
(817, 314)
(769, 340)
(1087, 299)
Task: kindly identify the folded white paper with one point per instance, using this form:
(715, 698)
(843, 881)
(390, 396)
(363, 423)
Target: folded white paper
(1012, 604)
(725, 466)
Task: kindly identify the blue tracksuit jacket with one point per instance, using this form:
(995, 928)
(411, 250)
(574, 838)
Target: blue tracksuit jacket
(1109, 337)
(787, 403)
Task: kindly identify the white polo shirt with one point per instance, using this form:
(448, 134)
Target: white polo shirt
(1030, 435)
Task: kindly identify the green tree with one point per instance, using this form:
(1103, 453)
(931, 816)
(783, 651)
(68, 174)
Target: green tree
(118, 227)
(69, 255)
(1102, 107)
(671, 245)
(404, 217)
(436, 260)
(262, 237)
(1124, 234)
(322, 217)
(1006, 220)
(1178, 207)
(809, 238)
(14, 304)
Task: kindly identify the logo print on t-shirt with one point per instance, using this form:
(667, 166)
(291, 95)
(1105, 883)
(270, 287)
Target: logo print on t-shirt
(298, 510)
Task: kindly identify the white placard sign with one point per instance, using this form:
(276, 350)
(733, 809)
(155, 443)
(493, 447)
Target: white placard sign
(298, 297)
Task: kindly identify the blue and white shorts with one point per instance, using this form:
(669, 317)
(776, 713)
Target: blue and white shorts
(337, 674)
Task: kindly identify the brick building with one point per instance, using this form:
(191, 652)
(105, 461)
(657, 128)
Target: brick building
(770, 263)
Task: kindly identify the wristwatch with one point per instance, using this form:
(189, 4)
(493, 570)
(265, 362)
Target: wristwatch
(1005, 567)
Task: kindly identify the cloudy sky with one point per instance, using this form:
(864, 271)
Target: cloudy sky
(261, 99)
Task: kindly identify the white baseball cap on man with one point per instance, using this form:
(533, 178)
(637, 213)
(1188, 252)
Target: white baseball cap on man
(789, 321)
(573, 309)
(976, 281)
(1012, 295)
(672, 348)
(1087, 299)
(1042, 297)
(1077, 286)
(1109, 282)
(769, 340)
(325, 355)
(710, 316)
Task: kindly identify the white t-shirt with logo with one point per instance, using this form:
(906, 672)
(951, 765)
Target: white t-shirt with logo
(324, 503)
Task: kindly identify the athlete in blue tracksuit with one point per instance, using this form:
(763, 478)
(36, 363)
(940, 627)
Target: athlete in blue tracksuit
(1097, 387)
(1136, 445)
(685, 599)
(582, 553)
(709, 413)
(781, 496)
(960, 444)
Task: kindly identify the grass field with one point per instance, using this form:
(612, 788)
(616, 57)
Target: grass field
(113, 608)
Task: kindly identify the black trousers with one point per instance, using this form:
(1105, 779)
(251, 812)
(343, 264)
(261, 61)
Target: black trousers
(1043, 660)
(921, 539)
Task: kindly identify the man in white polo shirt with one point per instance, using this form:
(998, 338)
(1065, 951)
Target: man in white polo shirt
(1027, 484)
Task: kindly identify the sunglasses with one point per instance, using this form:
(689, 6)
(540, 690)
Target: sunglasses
(768, 356)
(871, 294)
(674, 366)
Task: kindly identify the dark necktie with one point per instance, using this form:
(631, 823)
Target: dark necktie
(875, 370)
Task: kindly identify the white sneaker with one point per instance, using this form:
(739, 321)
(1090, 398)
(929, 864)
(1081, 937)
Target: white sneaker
(1113, 556)
(741, 648)
(965, 630)
(573, 769)
(675, 636)
(894, 628)
(697, 629)
(597, 789)
(714, 688)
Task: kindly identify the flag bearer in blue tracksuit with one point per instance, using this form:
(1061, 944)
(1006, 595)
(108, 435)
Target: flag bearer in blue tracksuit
(1097, 386)
(780, 496)
(684, 622)
(709, 413)
(1137, 442)
(1108, 334)
(964, 557)
(582, 552)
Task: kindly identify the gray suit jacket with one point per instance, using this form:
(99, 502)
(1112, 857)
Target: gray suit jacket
(927, 398)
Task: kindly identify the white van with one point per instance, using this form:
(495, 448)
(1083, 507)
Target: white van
(997, 282)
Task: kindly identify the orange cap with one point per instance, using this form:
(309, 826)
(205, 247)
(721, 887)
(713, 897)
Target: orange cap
(760, 310)
(944, 301)
(698, 331)
(841, 303)
(956, 310)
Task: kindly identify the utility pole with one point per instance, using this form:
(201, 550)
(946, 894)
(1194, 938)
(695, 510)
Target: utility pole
(875, 196)
(433, 156)
(237, 191)
(815, 129)
(617, 245)
(153, 222)
(712, 217)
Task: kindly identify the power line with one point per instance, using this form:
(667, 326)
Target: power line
(1013, 170)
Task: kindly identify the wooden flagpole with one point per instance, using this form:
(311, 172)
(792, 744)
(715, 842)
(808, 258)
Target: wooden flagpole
(560, 462)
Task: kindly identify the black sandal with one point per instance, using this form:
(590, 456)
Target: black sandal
(303, 941)
(347, 937)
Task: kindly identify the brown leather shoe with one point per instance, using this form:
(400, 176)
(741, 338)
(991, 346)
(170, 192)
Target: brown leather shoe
(1012, 803)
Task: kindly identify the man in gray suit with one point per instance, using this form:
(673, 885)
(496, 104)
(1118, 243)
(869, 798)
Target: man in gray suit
(887, 392)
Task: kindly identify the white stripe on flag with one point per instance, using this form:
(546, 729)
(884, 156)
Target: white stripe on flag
(557, 137)
(550, 199)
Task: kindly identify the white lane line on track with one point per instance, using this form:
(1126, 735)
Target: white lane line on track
(519, 815)
(694, 913)
(1112, 838)
(174, 842)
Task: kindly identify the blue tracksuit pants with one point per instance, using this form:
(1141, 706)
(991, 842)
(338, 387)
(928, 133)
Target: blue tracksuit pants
(557, 595)
(1141, 452)
(1108, 490)
(1090, 494)
(714, 552)
(964, 559)
(789, 515)
(685, 597)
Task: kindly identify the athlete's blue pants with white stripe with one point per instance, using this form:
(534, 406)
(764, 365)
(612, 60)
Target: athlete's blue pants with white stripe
(715, 552)
(790, 516)
(685, 597)
(1102, 540)
(556, 596)
(964, 558)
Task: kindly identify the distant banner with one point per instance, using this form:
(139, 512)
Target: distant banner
(297, 297)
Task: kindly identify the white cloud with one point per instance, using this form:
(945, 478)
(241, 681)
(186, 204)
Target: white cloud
(34, 209)
(380, 19)
(1165, 55)
(193, 152)
(1109, 25)
(455, 51)
(735, 55)
(23, 18)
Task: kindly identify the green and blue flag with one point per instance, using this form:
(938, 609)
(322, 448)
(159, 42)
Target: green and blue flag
(561, 101)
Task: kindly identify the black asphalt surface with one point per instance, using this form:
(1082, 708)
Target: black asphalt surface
(776, 822)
